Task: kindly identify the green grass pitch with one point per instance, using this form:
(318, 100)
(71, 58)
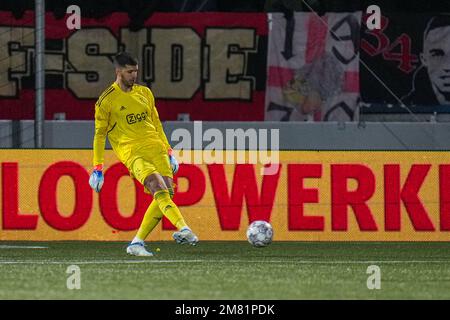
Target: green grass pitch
(225, 270)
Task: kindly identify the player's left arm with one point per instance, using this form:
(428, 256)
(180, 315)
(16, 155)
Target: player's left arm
(154, 116)
(102, 114)
(159, 128)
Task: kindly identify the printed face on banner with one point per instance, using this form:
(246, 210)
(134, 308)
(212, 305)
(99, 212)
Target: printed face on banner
(436, 58)
(410, 56)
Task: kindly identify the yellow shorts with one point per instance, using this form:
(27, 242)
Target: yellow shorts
(150, 163)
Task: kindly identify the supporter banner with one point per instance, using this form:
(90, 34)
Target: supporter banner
(211, 66)
(313, 67)
(329, 196)
(406, 62)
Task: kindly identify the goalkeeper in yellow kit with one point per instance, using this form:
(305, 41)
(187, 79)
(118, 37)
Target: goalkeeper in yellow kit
(126, 113)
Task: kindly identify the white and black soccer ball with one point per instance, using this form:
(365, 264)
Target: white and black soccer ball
(260, 233)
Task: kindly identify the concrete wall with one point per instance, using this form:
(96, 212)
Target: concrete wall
(293, 135)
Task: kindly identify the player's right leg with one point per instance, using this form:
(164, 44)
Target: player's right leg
(140, 169)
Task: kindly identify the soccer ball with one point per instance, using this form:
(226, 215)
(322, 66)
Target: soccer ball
(260, 233)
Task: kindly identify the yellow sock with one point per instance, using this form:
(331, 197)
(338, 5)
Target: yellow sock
(151, 218)
(169, 208)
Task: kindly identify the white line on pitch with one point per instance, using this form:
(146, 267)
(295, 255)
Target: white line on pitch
(99, 262)
(21, 247)
(226, 261)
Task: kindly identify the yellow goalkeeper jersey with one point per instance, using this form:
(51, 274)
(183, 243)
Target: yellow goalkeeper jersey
(130, 120)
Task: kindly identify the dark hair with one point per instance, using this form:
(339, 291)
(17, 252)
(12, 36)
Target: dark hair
(124, 58)
(438, 21)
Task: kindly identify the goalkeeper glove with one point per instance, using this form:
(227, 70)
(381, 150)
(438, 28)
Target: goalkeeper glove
(173, 162)
(96, 179)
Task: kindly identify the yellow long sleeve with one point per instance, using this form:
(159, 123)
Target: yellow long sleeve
(101, 126)
(129, 120)
(157, 122)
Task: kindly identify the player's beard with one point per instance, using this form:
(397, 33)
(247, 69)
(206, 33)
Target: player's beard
(128, 83)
